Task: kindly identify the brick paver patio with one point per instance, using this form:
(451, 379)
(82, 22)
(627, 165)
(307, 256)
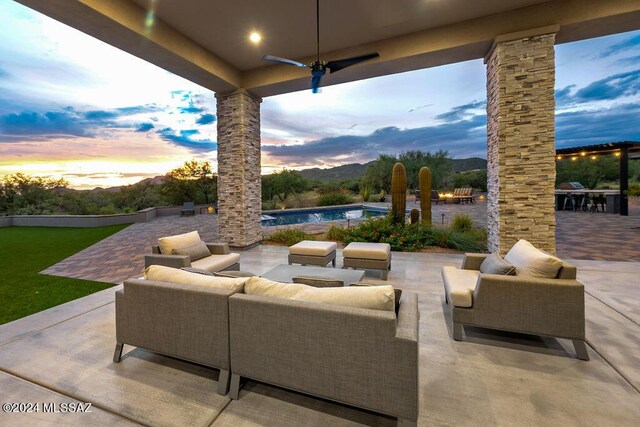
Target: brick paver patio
(580, 235)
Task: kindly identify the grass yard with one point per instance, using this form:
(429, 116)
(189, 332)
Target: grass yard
(25, 251)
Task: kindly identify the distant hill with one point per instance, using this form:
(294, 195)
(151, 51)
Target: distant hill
(338, 173)
(472, 163)
(357, 170)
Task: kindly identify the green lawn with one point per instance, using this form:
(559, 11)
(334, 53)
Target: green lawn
(25, 251)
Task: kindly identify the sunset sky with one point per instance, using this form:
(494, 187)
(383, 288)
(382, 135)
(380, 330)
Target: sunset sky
(74, 107)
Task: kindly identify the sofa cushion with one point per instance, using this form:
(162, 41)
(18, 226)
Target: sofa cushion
(215, 263)
(530, 261)
(371, 297)
(160, 273)
(459, 285)
(196, 251)
(397, 294)
(167, 244)
(197, 271)
(494, 264)
(362, 250)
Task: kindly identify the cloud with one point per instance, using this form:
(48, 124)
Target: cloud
(42, 125)
(190, 110)
(586, 127)
(144, 127)
(621, 46)
(4, 73)
(206, 119)
(461, 112)
(612, 87)
(563, 96)
(464, 138)
(183, 139)
(631, 60)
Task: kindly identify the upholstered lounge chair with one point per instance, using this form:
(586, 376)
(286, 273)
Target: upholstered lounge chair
(178, 252)
(521, 303)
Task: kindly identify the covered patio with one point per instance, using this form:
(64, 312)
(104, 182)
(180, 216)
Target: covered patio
(490, 378)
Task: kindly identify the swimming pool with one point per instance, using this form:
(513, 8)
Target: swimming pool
(318, 215)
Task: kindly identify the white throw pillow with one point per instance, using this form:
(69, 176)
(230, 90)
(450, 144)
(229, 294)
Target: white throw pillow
(530, 261)
(160, 273)
(169, 243)
(374, 297)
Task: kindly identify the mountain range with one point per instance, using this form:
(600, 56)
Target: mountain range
(357, 170)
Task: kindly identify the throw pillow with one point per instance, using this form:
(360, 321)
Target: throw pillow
(197, 271)
(373, 297)
(195, 252)
(494, 264)
(167, 244)
(160, 273)
(318, 282)
(397, 294)
(530, 261)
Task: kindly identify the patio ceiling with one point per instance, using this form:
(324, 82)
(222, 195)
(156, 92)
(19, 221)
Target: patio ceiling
(207, 41)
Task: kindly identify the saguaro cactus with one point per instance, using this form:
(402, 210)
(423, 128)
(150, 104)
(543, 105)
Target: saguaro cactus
(415, 216)
(424, 179)
(398, 192)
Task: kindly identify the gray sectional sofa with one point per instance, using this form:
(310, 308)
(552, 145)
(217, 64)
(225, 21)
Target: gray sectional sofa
(359, 356)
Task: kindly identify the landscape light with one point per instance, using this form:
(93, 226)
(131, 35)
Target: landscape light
(593, 157)
(559, 157)
(583, 154)
(574, 158)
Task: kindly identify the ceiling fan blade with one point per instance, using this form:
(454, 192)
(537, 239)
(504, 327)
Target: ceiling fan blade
(284, 61)
(347, 62)
(315, 83)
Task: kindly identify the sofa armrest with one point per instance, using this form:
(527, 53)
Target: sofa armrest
(218, 248)
(174, 261)
(190, 322)
(408, 317)
(335, 352)
(535, 305)
(473, 261)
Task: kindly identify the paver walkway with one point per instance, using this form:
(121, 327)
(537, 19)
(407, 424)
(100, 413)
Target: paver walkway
(580, 235)
(121, 255)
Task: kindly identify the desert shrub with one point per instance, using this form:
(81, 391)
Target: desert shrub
(332, 199)
(462, 222)
(413, 237)
(335, 233)
(634, 190)
(288, 237)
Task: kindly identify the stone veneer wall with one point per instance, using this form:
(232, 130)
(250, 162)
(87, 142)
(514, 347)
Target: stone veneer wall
(239, 182)
(521, 143)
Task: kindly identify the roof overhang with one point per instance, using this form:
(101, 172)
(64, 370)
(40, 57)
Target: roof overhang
(180, 41)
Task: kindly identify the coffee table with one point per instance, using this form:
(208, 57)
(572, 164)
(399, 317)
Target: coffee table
(285, 273)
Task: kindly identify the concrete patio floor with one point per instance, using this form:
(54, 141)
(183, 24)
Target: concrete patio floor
(491, 378)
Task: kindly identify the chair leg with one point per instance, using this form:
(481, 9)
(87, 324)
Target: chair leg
(457, 331)
(234, 390)
(117, 354)
(223, 382)
(581, 350)
(334, 263)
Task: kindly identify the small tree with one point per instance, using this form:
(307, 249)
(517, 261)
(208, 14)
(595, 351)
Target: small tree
(193, 181)
(29, 195)
(283, 184)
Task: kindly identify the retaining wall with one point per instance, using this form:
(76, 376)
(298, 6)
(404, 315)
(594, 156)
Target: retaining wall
(80, 221)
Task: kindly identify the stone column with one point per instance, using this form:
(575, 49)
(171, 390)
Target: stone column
(521, 140)
(239, 182)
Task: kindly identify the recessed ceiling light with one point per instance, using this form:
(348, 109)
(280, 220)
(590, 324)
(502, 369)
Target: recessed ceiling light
(255, 37)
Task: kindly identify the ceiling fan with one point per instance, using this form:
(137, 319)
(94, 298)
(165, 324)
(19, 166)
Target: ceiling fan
(319, 68)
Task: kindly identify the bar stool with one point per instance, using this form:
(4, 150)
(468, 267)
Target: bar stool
(568, 200)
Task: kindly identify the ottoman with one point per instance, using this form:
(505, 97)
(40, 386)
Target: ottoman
(369, 256)
(312, 252)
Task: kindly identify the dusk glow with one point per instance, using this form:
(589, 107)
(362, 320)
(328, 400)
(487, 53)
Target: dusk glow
(74, 107)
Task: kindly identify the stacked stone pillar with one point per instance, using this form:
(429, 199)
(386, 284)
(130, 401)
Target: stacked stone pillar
(521, 141)
(239, 182)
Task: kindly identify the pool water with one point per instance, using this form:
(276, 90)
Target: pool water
(319, 215)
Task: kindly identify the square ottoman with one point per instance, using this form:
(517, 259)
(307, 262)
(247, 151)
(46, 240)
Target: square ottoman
(312, 252)
(369, 256)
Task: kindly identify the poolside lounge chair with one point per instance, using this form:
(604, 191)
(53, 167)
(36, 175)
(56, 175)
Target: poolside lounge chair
(188, 209)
